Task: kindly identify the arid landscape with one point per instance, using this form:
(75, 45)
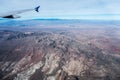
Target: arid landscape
(59, 50)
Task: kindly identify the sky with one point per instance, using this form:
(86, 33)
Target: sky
(64, 9)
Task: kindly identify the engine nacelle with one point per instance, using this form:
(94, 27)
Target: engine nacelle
(12, 16)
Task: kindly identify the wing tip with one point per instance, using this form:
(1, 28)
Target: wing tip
(37, 8)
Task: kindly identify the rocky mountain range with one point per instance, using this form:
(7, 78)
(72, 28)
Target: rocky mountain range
(48, 55)
(60, 54)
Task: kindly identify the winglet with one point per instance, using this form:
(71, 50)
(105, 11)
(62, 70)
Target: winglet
(37, 8)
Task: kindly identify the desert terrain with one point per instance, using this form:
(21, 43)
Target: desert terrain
(59, 50)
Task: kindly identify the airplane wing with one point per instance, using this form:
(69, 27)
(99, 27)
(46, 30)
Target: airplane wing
(13, 15)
